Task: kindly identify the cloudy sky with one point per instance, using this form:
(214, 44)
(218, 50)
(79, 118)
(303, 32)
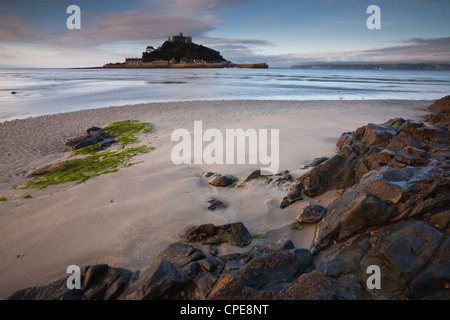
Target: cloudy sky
(279, 32)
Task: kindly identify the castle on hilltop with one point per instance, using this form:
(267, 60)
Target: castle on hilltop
(180, 52)
(181, 38)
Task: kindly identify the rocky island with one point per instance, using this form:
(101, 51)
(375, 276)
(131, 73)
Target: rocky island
(180, 52)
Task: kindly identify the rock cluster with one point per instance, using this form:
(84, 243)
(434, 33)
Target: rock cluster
(234, 233)
(182, 271)
(94, 136)
(394, 213)
(223, 180)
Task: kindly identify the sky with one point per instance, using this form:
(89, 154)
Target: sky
(280, 32)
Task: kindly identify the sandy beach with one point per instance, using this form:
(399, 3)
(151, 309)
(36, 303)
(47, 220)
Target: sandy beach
(126, 218)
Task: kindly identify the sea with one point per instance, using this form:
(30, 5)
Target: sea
(50, 91)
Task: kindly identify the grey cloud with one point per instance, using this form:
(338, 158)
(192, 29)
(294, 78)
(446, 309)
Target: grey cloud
(413, 51)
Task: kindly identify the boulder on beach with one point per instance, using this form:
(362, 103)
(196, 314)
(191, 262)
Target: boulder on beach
(254, 175)
(234, 233)
(94, 136)
(311, 214)
(223, 180)
(215, 204)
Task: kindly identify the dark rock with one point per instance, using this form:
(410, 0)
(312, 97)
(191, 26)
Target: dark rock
(223, 181)
(215, 204)
(233, 264)
(235, 234)
(403, 160)
(375, 135)
(160, 280)
(440, 118)
(308, 286)
(94, 136)
(295, 194)
(275, 268)
(105, 144)
(202, 286)
(385, 156)
(13, 92)
(360, 168)
(230, 287)
(418, 153)
(377, 184)
(93, 129)
(168, 275)
(428, 134)
(433, 282)
(211, 264)
(351, 213)
(396, 122)
(335, 173)
(401, 251)
(440, 220)
(403, 140)
(440, 105)
(93, 274)
(311, 214)
(348, 152)
(284, 203)
(316, 162)
(53, 291)
(102, 282)
(280, 245)
(209, 174)
(181, 254)
(99, 282)
(254, 175)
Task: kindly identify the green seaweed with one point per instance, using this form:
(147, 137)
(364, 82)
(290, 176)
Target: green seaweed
(215, 240)
(91, 166)
(27, 197)
(259, 237)
(99, 162)
(297, 226)
(3, 199)
(126, 131)
(85, 150)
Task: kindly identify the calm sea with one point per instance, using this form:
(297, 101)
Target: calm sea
(49, 91)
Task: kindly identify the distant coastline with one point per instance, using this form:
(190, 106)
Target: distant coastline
(373, 66)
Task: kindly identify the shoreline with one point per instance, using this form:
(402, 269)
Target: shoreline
(126, 218)
(232, 101)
